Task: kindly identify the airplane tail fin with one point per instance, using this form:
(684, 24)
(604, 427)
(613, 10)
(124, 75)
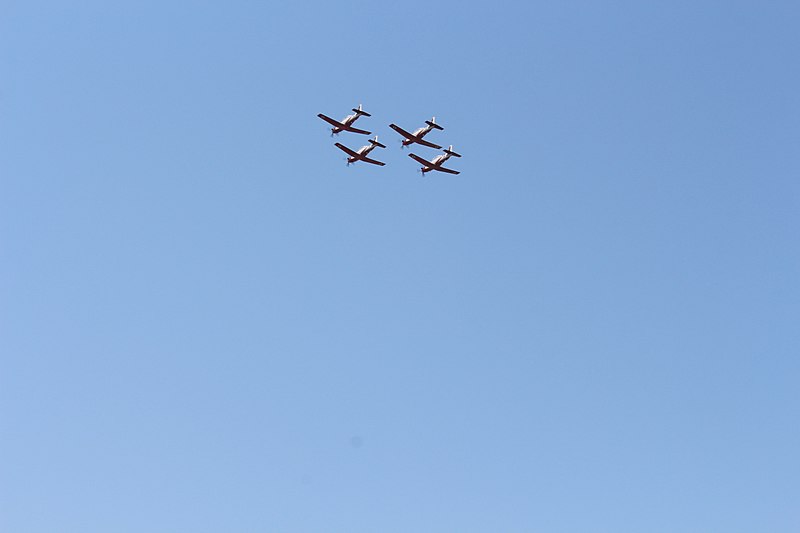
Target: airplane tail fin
(432, 122)
(359, 111)
(451, 152)
(374, 142)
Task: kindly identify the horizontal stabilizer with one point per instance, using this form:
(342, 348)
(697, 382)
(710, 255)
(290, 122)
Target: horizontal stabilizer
(358, 111)
(433, 124)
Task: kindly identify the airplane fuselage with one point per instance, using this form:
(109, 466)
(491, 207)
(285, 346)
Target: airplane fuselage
(347, 121)
(435, 162)
(363, 151)
(419, 133)
(346, 124)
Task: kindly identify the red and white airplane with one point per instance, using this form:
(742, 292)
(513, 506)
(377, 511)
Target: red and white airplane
(347, 122)
(436, 162)
(361, 153)
(419, 133)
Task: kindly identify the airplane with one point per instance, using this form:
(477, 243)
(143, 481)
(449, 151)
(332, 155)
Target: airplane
(419, 133)
(436, 162)
(347, 122)
(361, 153)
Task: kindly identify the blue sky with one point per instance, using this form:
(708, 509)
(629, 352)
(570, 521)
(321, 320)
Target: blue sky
(209, 323)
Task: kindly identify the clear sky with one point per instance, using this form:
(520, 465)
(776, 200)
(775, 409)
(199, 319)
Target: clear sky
(209, 323)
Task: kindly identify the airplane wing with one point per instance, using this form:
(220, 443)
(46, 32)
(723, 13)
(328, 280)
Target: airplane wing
(421, 161)
(448, 170)
(355, 130)
(350, 152)
(423, 142)
(356, 155)
(374, 162)
(413, 138)
(402, 132)
(332, 122)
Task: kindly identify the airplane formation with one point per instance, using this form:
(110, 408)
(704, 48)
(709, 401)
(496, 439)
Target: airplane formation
(409, 138)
